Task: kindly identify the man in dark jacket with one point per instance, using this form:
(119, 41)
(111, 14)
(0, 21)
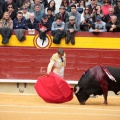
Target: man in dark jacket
(50, 15)
(43, 27)
(32, 23)
(1, 11)
(62, 14)
(117, 10)
(19, 26)
(71, 27)
(113, 25)
(107, 18)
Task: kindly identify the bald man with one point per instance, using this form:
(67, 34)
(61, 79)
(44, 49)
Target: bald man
(32, 22)
(113, 25)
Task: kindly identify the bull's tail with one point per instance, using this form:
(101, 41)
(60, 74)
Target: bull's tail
(108, 74)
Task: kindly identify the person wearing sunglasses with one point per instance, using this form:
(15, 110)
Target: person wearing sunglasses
(26, 14)
(11, 11)
(5, 5)
(105, 7)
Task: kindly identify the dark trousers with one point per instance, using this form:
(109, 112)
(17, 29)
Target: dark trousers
(58, 34)
(6, 34)
(70, 37)
(42, 36)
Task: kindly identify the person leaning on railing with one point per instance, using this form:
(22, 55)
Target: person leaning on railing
(20, 26)
(58, 30)
(98, 26)
(43, 27)
(113, 25)
(6, 26)
(71, 27)
(32, 23)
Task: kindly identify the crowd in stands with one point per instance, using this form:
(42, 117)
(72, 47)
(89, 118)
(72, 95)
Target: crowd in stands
(73, 15)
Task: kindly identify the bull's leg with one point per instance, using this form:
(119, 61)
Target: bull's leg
(105, 94)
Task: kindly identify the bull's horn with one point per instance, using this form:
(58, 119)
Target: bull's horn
(118, 93)
(77, 89)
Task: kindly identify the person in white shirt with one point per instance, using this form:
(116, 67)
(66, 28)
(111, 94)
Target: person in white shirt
(26, 14)
(58, 62)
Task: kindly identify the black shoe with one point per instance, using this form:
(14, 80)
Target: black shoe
(22, 39)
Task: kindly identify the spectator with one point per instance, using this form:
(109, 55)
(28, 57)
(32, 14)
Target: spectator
(96, 12)
(37, 2)
(107, 18)
(52, 6)
(44, 2)
(92, 5)
(11, 11)
(38, 13)
(62, 14)
(5, 5)
(117, 10)
(114, 3)
(81, 6)
(50, 15)
(6, 26)
(73, 2)
(26, 14)
(19, 26)
(105, 7)
(28, 5)
(87, 2)
(99, 2)
(75, 13)
(20, 3)
(65, 3)
(1, 10)
(98, 26)
(43, 27)
(71, 27)
(113, 25)
(1, 2)
(86, 12)
(32, 23)
(85, 25)
(58, 30)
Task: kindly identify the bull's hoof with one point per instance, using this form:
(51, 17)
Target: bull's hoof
(105, 102)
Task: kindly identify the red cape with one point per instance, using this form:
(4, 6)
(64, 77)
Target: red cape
(53, 89)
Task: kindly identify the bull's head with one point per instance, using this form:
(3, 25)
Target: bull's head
(86, 86)
(81, 94)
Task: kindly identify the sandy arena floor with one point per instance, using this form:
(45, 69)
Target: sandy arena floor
(32, 107)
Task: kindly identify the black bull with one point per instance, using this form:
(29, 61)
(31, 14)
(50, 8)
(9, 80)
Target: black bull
(97, 81)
